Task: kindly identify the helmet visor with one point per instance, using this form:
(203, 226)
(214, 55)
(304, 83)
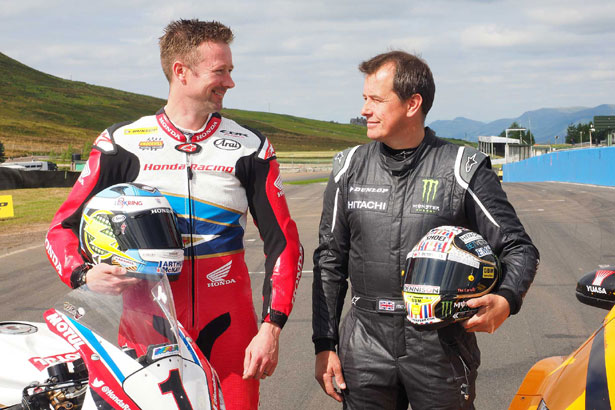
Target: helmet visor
(435, 273)
(153, 229)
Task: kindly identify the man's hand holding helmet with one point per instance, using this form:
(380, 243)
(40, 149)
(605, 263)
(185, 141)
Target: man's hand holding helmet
(493, 310)
(127, 232)
(108, 279)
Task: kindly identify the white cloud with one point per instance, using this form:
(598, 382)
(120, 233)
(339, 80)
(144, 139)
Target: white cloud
(490, 59)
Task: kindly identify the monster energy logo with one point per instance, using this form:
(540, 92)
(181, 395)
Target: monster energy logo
(430, 187)
(447, 308)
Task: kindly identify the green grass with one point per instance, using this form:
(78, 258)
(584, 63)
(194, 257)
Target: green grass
(43, 114)
(32, 207)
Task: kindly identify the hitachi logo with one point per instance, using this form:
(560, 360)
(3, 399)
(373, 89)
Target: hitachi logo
(380, 206)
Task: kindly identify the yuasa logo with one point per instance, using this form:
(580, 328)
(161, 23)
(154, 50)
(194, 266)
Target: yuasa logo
(596, 289)
(218, 277)
(226, 144)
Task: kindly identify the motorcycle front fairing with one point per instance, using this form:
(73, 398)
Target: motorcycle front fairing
(136, 352)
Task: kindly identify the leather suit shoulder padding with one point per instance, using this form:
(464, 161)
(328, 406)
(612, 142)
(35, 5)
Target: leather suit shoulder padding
(470, 161)
(341, 162)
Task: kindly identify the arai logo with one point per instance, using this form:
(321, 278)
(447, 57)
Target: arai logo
(226, 144)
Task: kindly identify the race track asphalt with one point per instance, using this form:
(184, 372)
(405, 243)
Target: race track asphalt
(572, 226)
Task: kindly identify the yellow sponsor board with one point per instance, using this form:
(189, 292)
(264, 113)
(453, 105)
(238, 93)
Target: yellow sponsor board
(149, 130)
(6, 206)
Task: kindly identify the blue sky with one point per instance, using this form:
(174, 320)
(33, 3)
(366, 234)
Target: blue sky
(491, 59)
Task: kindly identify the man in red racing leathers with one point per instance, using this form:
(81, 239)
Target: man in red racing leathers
(211, 170)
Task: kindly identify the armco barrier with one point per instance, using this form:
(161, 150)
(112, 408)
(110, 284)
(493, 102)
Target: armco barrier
(15, 179)
(585, 166)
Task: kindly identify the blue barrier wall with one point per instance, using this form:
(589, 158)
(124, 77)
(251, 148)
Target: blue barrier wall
(585, 166)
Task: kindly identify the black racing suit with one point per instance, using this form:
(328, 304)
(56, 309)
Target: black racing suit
(376, 208)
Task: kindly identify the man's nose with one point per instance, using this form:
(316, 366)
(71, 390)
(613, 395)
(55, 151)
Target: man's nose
(228, 82)
(366, 109)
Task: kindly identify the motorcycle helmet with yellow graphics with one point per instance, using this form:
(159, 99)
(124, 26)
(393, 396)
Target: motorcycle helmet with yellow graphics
(133, 226)
(448, 266)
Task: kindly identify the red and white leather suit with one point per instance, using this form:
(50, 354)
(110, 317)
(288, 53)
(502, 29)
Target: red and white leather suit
(210, 178)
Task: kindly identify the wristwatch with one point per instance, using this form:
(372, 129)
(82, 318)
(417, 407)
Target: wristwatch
(78, 277)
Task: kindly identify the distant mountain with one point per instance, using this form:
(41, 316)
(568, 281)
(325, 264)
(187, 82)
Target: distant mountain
(545, 123)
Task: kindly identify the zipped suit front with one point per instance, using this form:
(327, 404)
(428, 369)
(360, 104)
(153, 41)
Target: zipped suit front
(376, 208)
(211, 178)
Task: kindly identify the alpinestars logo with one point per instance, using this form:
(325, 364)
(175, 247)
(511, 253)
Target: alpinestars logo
(279, 186)
(470, 163)
(218, 277)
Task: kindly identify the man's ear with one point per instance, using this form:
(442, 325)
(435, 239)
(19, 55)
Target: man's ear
(414, 104)
(179, 71)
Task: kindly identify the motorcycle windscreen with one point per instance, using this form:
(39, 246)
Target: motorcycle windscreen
(152, 229)
(448, 276)
(141, 321)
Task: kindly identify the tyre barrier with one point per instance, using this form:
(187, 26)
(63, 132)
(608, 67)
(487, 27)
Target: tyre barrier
(18, 179)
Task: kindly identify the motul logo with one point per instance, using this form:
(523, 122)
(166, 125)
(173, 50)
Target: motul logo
(41, 363)
(62, 327)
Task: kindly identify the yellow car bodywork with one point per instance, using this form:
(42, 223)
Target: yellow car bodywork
(583, 380)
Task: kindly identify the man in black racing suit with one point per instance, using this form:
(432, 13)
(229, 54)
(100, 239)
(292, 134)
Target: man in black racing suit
(381, 199)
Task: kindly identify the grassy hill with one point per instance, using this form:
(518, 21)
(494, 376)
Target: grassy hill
(43, 114)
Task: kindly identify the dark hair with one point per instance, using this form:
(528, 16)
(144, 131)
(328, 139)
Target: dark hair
(181, 39)
(412, 76)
